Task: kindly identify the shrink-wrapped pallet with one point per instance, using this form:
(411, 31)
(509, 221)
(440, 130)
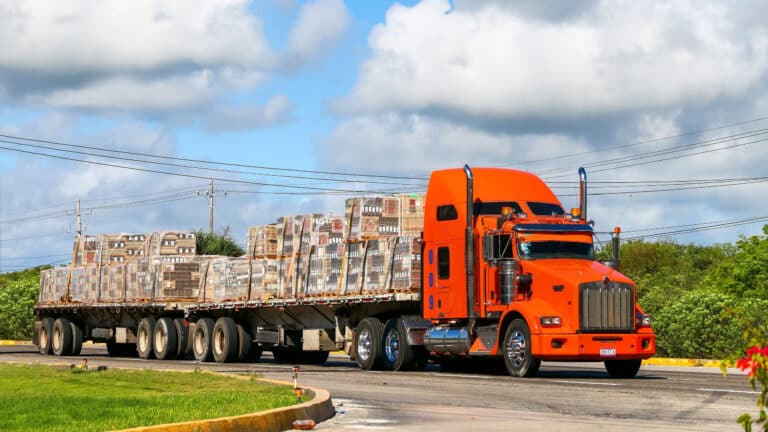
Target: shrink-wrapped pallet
(372, 217)
(91, 283)
(77, 285)
(262, 241)
(412, 214)
(264, 279)
(179, 280)
(353, 266)
(174, 243)
(377, 253)
(229, 278)
(113, 285)
(406, 265)
(46, 286)
(90, 250)
(141, 278)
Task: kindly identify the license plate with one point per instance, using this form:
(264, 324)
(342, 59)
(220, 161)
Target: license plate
(607, 352)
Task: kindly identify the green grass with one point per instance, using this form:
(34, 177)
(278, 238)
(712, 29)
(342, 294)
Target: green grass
(41, 398)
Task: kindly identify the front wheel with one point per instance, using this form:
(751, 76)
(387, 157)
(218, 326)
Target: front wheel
(517, 350)
(622, 368)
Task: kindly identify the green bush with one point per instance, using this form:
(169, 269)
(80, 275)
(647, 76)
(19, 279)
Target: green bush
(707, 324)
(18, 294)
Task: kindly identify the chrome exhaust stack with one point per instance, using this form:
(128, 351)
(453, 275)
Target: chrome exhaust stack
(469, 242)
(583, 193)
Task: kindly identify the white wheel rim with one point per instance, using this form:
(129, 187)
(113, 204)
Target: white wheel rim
(364, 345)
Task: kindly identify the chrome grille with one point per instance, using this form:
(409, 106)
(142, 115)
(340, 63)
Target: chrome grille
(606, 306)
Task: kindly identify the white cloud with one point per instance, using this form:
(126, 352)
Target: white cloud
(621, 56)
(149, 57)
(247, 116)
(320, 23)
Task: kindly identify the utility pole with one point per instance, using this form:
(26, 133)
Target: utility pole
(79, 220)
(210, 206)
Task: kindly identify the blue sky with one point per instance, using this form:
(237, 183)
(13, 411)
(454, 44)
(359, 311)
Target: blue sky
(668, 99)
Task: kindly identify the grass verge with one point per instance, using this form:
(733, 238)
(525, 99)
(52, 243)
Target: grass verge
(46, 398)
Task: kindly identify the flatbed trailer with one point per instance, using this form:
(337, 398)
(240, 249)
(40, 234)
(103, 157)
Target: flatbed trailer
(500, 271)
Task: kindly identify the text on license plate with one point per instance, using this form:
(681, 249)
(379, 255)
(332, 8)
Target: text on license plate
(607, 352)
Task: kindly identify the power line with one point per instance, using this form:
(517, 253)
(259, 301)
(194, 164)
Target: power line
(261, 167)
(185, 175)
(636, 144)
(689, 147)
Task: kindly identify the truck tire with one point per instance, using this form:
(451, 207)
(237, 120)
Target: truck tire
(243, 343)
(165, 340)
(224, 343)
(516, 350)
(368, 344)
(201, 339)
(77, 338)
(144, 335)
(622, 368)
(44, 336)
(61, 337)
(182, 337)
(399, 355)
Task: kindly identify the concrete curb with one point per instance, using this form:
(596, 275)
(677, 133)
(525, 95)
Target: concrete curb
(661, 361)
(279, 419)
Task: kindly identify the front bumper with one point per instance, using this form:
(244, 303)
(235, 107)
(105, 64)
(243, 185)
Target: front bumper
(594, 346)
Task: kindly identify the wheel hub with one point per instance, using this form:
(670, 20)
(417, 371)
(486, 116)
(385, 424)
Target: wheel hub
(516, 346)
(364, 345)
(392, 346)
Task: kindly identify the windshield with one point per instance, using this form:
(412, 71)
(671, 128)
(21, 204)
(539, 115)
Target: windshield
(555, 249)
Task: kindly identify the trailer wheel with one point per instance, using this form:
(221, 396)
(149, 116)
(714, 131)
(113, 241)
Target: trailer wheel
(61, 338)
(244, 343)
(201, 339)
(368, 344)
(77, 338)
(516, 350)
(224, 342)
(165, 340)
(622, 368)
(144, 336)
(399, 355)
(182, 337)
(44, 337)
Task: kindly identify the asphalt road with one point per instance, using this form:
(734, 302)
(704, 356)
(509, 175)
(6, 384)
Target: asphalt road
(566, 396)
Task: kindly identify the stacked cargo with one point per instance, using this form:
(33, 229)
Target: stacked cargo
(262, 241)
(140, 279)
(179, 281)
(412, 214)
(372, 217)
(228, 278)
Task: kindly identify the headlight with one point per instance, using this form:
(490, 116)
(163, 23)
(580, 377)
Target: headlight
(551, 321)
(642, 320)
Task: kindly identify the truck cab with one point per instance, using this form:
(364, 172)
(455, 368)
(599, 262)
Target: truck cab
(509, 273)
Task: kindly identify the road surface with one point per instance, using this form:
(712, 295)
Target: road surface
(566, 396)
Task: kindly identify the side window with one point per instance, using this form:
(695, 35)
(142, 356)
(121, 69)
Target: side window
(443, 263)
(446, 213)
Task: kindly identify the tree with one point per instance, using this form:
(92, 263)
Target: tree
(217, 243)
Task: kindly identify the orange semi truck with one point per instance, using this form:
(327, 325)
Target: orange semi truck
(506, 273)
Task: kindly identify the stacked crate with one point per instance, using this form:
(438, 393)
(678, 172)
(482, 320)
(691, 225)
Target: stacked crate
(406, 265)
(264, 279)
(229, 278)
(47, 287)
(179, 280)
(90, 250)
(372, 217)
(262, 241)
(174, 243)
(412, 214)
(140, 279)
(377, 258)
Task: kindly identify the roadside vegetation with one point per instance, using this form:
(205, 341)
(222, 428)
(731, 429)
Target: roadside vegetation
(701, 298)
(64, 399)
